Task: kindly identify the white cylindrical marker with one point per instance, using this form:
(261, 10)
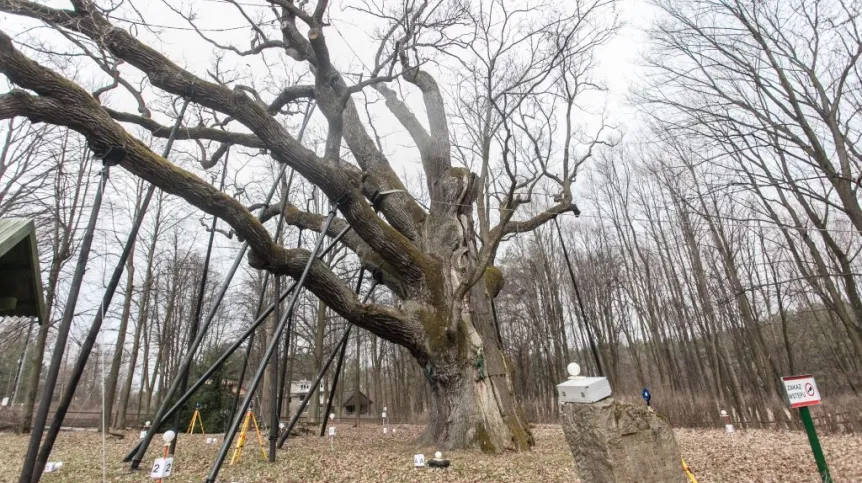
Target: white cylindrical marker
(728, 426)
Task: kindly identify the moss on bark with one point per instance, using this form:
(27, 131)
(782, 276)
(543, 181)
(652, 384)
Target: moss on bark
(494, 280)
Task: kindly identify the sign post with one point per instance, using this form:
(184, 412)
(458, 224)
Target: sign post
(801, 393)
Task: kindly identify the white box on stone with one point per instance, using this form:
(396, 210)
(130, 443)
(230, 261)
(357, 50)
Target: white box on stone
(584, 390)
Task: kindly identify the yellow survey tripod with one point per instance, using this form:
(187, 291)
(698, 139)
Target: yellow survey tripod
(196, 417)
(243, 434)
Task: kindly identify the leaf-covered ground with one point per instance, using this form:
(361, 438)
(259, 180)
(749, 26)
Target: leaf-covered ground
(367, 455)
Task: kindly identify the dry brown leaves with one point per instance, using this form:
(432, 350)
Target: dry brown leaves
(366, 455)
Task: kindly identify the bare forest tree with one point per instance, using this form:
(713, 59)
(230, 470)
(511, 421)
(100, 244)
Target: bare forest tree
(771, 90)
(23, 175)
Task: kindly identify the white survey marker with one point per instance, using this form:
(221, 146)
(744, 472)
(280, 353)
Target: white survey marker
(162, 467)
(801, 391)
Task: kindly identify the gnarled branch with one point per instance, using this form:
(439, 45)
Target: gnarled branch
(333, 177)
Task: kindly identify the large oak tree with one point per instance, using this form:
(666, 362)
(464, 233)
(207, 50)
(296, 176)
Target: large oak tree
(513, 144)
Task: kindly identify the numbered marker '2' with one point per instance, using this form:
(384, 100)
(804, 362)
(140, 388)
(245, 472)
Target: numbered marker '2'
(162, 468)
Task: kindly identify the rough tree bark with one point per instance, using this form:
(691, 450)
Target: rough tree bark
(433, 260)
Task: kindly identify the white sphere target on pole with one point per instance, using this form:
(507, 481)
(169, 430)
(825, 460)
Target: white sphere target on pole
(162, 466)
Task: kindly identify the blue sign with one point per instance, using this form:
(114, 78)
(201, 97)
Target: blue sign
(646, 395)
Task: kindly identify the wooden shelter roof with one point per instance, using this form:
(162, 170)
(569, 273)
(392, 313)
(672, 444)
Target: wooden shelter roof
(20, 278)
(363, 399)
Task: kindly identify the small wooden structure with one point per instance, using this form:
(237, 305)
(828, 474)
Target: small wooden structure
(351, 401)
(20, 279)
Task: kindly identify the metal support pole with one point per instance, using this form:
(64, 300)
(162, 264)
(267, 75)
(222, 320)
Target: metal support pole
(822, 469)
(273, 421)
(193, 347)
(273, 374)
(316, 382)
(231, 433)
(286, 354)
(248, 334)
(199, 303)
(341, 351)
(595, 352)
(32, 470)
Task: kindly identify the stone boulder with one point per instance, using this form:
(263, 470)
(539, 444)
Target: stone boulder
(618, 442)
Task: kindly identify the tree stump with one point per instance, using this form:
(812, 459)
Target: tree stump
(617, 442)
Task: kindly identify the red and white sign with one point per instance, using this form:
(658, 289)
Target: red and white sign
(801, 391)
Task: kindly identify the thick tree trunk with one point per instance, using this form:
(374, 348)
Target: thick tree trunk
(471, 387)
